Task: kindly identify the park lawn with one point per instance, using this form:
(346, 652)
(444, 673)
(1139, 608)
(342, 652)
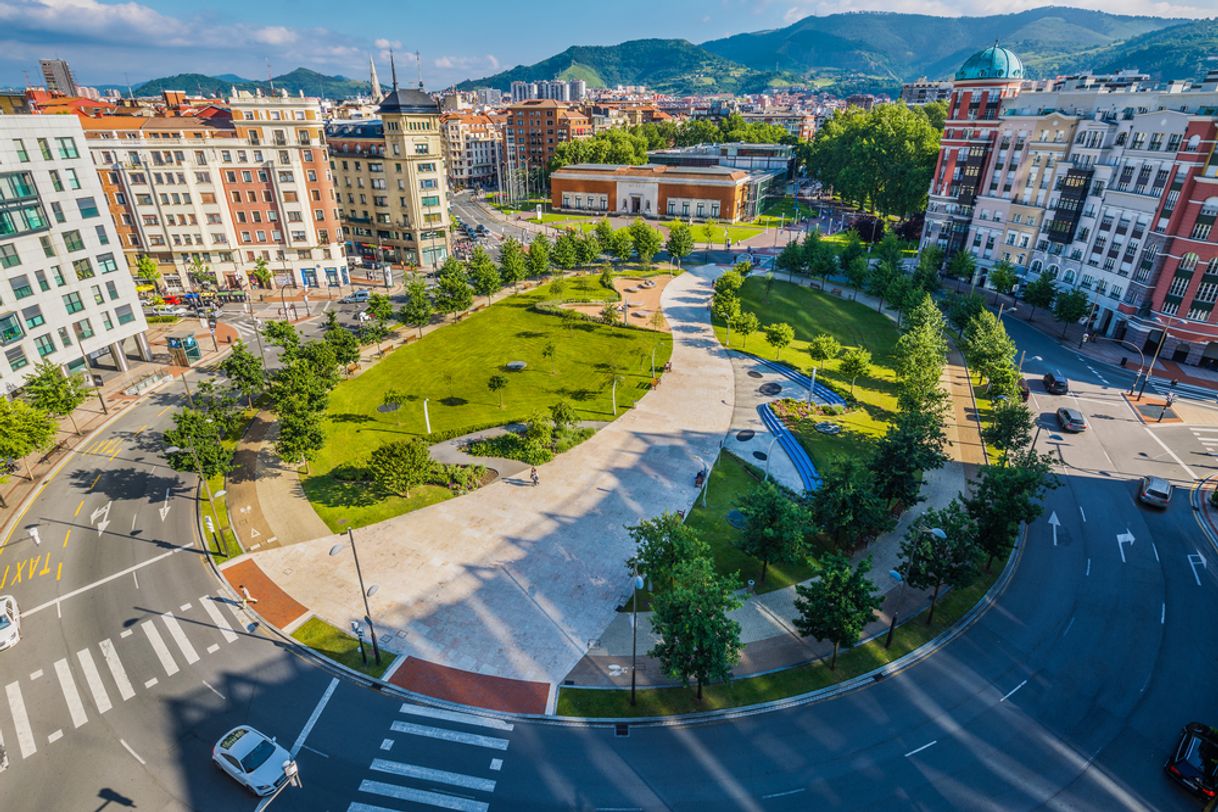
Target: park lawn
(223, 545)
(784, 209)
(721, 231)
(340, 647)
(450, 368)
(811, 311)
(914, 632)
(985, 414)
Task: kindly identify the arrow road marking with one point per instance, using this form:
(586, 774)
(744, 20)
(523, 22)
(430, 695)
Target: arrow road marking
(1193, 561)
(104, 513)
(1122, 540)
(1056, 523)
(164, 509)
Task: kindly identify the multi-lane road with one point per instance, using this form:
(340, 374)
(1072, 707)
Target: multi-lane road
(1066, 694)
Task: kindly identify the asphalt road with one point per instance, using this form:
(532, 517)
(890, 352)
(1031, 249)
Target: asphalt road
(1067, 694)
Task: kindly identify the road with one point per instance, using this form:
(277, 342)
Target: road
(1066, 694)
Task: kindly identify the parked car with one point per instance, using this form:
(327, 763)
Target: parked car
(1024, 391)
(1194, 762)
(252, 759)
(1155, 491)
(482, 229)
(1056, 383)
(356, 297)
(10, 622)
(169, 310)
(1071, 419)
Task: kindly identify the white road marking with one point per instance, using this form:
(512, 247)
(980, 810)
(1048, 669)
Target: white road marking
(134, 754)
(126, 633)
(321, 705)
(312, 750)
(213, 648)
(431, 776)
(158, 646)
(784, 794)
(222, 624)
(179, 637)
(1156, 549)
(55, 736)
(135, 577)
(419, 796)
(1088, 567)
(21, 720)
(1020, 685)
(455, 716)
(213, 690)
(1163, 614)
(920, 749)
(150, 682)
(106, 580)
(1171, 453)
(387, 744)
(1195, 559)
(1083, 512)
(496, 764)
(76, 708)
(93, 680)
(449, 735)
(116, 669)
(184, 607)
(1069, 626)
(36, 674)
(1122, 540)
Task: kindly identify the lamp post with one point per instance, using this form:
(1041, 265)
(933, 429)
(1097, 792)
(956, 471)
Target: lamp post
(293, 773)
(1126, 343)
(1150, 370)
(211, 499)
(364, 592)
(637, 582)
(768, 453)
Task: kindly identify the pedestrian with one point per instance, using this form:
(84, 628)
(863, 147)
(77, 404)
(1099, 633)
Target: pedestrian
(533, 475)
(246, 597)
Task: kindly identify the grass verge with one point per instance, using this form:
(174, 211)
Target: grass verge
(340, 647)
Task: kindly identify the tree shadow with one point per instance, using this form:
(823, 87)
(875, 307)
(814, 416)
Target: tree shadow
(530, 334)
(349, 417)
(327, 489)
(453, 400)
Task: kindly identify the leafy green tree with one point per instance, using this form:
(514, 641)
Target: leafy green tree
(497, 383)
(838, 604)
(24, 429)
(565, 253)
(298, 387)
(880, 279)
(857, 274)
(398, 468)
(1002, 278)
(281, 334)
(1010, 428)
(661, 544)
(620, 245)
(417, 310)
(698, 642)
(962, 266)
(49, 389)
(539, 256)
(261, 273)
(603, 231)
(217, 405)
(1071, 306)
(940, 549)
(563, 415)
(300, 437)
(903, 295)
(823, 347)
(606, 278)
(919, 359)
(925, 314)
(245, 371)
(709, 229)
(855, 361)
(775, 529)
(483, 275)
(453, 294)
(729, 283)
(726, 310)
(548, 352)
(747, 324)
(680, 242)
(847, 507)
(779, 335)
(379, 307)
(319, 356)
(1039, 293)
(986, 345)
(199, 445)
(913, 444)
(1006, 496)
(345, 346)
(147, 269)
(930, 261)
(962, 308)
(851, 249)
(790, 259)
(588, 247)
(647, 241)
(513, 267)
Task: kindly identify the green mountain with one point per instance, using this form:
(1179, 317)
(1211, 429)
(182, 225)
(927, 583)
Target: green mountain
(1180, 52)
(301, 79)
(667, 65)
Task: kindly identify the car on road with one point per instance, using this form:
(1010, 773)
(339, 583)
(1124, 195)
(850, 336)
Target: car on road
(168, 310)
(10, 622)
(1155, 491)
(1056, 383)
(1194, 762)
(1071, 419)
(252, 759)
(356, 297)
(482, 229)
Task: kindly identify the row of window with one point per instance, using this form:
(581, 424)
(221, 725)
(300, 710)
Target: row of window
(44, 344)
(65, 148)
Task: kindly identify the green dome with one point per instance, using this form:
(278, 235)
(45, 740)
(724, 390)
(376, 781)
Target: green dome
(992, 63)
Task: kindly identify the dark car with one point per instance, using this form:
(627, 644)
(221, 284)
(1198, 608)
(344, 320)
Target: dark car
(1194, 763)
(1071, 419)
(1024, 391)
(1056, 383)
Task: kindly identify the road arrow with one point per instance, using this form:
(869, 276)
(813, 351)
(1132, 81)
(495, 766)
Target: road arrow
(164, 509)
(1193, 561)
(1056, 523)
(104, 513)
(1122, 540)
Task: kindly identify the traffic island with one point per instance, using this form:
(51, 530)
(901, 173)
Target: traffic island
(1152, 410)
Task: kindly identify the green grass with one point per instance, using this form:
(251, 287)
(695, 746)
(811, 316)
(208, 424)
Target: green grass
(340, 647)
(784, 207)
(735, 231)
(450, 367)
(810, 312)
(789, 682)
(224, 544)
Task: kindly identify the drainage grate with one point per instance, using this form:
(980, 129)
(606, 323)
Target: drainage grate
(621, 730)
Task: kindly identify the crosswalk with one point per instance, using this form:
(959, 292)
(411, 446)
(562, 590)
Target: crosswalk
(1207, 437)
(94, 680)
(392, 778)
(1183, 390)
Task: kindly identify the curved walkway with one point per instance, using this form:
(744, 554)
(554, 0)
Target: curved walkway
(514, 581)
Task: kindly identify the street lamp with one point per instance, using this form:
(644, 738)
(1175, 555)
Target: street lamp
(365, 593)
(1126, 343)
(211, 499)
(637, 582)
(293, 775)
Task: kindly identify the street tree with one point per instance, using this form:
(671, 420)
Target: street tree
(48, 388)
(218, 405)
(1010, 428)
(930, 261)
(986, 345)
(261, 273)
(680, 242)
(855, 361)
(857, 273)
(1002, 278)
(497, 383)
(647, 241)
(779, 335)
(417, 310)
(698, 642)
(281, 334)
(1006, 496)
(729, 283)
(300, 437)
(603, 231)
(198, 443)
(838, 604)
(483, 275)
(564, 254)
(903, 295)
(821, 260)
(913, 445)
(620, 245)
(1070, 307)
(746, 325)
(940, 549)
(790, 259)
(24, 429)
(513, 266)
(962, 266)
(824, 347)
(880, 279)
(662, 543)
(245, 371)
(709, 229)
(925, 314)
(776, 527)
(920, 355)
(399, 467)
(344, 344)
(726, 310)
(846, 507)
(147, 269)
(379, 307)
(539, 256)
(588, 247)
(453, 294)
(961, 308)
(297, 387)
(1039, 293)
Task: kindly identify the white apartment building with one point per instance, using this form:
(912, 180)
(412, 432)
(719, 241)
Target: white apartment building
(66, 294)
(472, 147)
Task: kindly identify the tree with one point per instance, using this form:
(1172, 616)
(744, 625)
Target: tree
(453, 293)
(539, 256)
(661, 544)
(880, 279)
(603, 231)
(790, 259)
(565, 253)
(1039, 293)
(620, 245)
(930, 260)
(379, 307)
(819, 258)
(417, 310)
(680, 242)
(986, 345)
(245, 370)
(483, 275)
(1071, 306)
(747, 324)
(940, 549)
(913, 444)
(1010, 428)
(548, 352)
(610, 314)
(1006, 496)
(709, 229)
(261, 273)
(344, 344)
(588, 247)
(776, 527)
(297, 386)
(855, 361)
(902, 294)
(300, 437)
(24, 429)
(698, 641)
(962, 308)
(283, 335)
(146, 268)
(513, 266)
(838, 604)
(857, 273)
(729, 283)
(497, 383)
(846, 507)
(726, 310)
(49, 389)
(1002, 278)
(779, 335)
(399, 467)
(962, 266)
(824, 347)
(920, 355)
(563, 415)
(198, 444)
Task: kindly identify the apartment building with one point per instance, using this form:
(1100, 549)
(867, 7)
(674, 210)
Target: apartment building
(389, 173)
(207, 192)
(924, 91)
(66, 294)
(472, 145)
(797, 123)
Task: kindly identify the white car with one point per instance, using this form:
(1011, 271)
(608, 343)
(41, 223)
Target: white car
(10, 622)
(252, 759)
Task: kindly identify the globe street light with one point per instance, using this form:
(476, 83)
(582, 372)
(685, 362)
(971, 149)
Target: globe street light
(637, 582)
(365, 593)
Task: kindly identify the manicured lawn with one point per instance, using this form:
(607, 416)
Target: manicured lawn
(340, 647)
(790, 682)
(784, 209)
(735, 231)
(223, 545)
(450, 368)
(810, 312)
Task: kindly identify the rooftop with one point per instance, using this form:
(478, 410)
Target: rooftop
(409, 100)
(992, 63)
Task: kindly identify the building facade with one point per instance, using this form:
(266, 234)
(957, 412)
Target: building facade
(653, 190)
(472, 145)
(57, 77)
(534, 129)
(67, 295)
(925, 91)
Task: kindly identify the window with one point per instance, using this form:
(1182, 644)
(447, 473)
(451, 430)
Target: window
(16, 358)
(420, 149)
(10, 328)
(84, 329)
(73, 181)
(112, 290)
(67, 147)
(45, 345)
(125, 316)
(72, 302)
(83, 268)
(22, 155)
(106, 321)
(430, 200)
(97, 294)
(72, 240)
(88, 207)
(44, 146)
(102, 236)
(57, 275)
(427, 167)
(56, 181)
(8, 256)
(107, 263)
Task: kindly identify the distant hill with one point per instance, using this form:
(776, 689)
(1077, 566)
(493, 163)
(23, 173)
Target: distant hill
(301, 79)
(1180, 52)
(667, 65)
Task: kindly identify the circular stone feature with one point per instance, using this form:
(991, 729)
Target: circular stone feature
(770, 389)
(745, 435)
(755, 374)
(736, 519)
(515, 366)
(385, 408)
(761, 455)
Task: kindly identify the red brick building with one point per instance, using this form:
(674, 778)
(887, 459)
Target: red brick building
(536, 126)
(653, 190)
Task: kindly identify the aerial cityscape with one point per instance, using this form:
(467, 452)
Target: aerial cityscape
(761, 407)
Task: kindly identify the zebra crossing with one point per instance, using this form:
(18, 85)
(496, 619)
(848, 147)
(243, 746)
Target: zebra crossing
(1207, 437)
(1182, 390)
(395, 780)
(94, 680)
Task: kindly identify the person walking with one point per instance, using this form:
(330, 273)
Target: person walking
(246, 597)
(533, 475)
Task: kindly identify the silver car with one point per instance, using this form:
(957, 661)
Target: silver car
(10, 622)
(252, 759)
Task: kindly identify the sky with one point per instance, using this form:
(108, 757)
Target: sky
(113, 42)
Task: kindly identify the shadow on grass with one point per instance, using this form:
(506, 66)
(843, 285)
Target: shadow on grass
(349, 417)
(327, 489)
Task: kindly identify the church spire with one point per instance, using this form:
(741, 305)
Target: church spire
(376, 82)
(393, 69)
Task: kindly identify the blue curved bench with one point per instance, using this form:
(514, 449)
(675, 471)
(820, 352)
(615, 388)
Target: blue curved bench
(821, 392)
(791, 445)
